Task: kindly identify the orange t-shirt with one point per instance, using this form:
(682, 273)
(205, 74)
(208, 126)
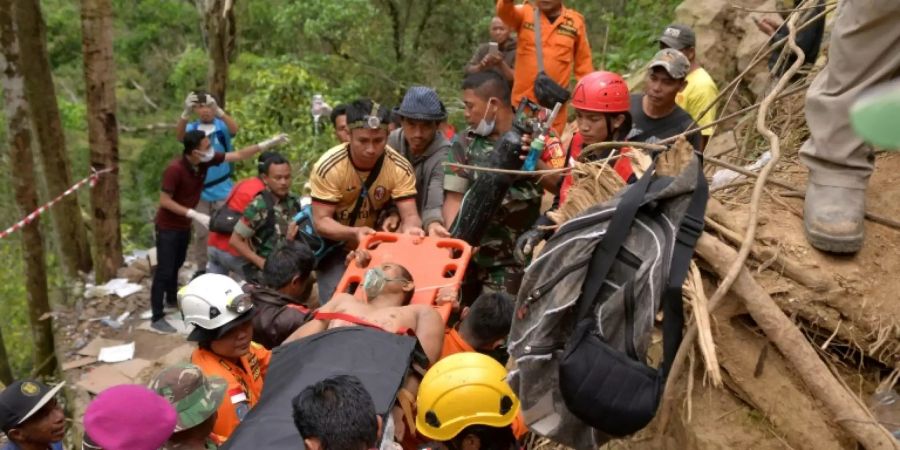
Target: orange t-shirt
(565, 45)
(245, 383)
(454, 343)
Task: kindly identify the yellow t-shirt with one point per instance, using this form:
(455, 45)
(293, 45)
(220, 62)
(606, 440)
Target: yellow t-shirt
(335, 181)
(701, 90)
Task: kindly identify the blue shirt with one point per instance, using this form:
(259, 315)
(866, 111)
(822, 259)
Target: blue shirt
(220, 139)
(11, 446)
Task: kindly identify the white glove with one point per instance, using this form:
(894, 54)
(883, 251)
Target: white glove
(201, 218)
(189, 102)
(211, 102)
(275, 141)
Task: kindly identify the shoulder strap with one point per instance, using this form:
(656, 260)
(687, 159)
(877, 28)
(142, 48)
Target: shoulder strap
(318, 315)
(364, 190)
(605, 253)
(538, 43)
(270, 209)
(686, 238)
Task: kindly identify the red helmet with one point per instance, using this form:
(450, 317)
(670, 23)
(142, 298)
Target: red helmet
(601, 92)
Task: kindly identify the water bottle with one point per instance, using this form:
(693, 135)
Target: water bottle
(537, 148)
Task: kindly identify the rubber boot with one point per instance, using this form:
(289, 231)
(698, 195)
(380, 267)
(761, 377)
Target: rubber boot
(833, 218)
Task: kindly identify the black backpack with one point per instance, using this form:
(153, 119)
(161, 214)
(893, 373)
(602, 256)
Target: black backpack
(587, 307)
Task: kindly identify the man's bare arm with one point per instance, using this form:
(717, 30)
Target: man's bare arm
(430, 331)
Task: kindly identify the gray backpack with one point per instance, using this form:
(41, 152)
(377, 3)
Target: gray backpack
(587, 306)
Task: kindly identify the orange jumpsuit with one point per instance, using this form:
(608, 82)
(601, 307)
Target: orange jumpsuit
(245, 383)
(565, 44)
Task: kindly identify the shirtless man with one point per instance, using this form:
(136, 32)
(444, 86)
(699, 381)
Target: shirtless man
(389, 287)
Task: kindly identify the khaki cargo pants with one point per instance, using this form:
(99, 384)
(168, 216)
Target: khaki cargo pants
(864, 50)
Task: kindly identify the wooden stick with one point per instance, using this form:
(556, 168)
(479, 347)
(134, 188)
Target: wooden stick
(843, 406)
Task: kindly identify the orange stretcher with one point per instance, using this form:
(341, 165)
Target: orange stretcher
(434, 263)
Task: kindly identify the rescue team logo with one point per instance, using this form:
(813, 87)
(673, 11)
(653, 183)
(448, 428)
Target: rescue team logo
(30, 389)
(379, 193)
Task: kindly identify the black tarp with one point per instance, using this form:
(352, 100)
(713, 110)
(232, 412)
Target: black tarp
(380, 360)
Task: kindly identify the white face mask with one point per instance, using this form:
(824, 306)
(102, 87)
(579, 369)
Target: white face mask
(208, 156)
(485, 128)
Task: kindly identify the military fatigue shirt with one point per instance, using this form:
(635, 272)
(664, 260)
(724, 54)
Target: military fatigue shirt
(518, 212)
(252, 226)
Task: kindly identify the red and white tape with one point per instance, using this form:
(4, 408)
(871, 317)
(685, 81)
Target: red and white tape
(92, 180)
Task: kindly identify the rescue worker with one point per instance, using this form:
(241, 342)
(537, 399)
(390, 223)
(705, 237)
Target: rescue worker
(464, 403)
(351, 186)
(564, 42)
(489, 114)
(221, 313)
(220, 128)
(196, 397)
(339, 121)
(31, 417)
(282, 301)
(268, 220)
(862, 53)
(482, 327)
(701, 89)
(602, 105)
(420, 141)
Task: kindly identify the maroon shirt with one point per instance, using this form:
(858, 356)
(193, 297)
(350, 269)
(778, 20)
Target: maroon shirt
(184, 183)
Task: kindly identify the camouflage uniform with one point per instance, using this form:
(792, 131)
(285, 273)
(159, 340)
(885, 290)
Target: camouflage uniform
(195, 396)
(262, 239)
(494, 266)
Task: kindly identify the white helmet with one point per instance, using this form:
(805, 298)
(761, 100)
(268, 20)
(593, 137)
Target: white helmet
(212, 301)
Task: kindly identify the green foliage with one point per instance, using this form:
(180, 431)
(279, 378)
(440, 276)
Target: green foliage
(189, 72)
(632, 43)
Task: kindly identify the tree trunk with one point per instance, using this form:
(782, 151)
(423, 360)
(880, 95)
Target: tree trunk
(22, 168)
(219, 29)
(41, 97)
(100, 81)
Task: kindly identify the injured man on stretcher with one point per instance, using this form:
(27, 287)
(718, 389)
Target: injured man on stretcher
(389, 289)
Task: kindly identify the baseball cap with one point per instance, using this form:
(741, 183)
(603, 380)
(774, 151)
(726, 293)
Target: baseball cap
(129, 417)
(194, 396)
(678, 37)
(422, 103)
(673, 62)
(22, 399)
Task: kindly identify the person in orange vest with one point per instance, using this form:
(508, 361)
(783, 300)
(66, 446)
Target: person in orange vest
(482, 327)
(563, 40)
(221, 314)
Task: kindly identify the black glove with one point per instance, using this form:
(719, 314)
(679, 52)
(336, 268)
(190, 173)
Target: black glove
(526, 243)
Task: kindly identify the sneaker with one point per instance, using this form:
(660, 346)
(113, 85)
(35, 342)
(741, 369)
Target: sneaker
(148, 314)
(163, 326)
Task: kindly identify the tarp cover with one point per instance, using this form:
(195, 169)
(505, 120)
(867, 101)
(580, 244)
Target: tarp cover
(379, 359)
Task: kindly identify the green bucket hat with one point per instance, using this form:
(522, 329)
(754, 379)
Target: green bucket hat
(194, 396)
(875, 115)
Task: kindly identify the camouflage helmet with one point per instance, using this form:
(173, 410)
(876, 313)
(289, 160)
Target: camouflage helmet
(195, 396)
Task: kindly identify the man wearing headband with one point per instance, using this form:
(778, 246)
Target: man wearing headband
(353, 182)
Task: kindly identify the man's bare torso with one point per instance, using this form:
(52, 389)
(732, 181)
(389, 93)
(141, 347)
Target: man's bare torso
(392, 319)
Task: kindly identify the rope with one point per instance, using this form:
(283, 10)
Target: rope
(92, 180)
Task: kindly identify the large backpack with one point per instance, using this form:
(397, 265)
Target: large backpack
(587, 307)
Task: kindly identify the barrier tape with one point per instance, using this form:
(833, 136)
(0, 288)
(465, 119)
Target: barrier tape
(92, 180)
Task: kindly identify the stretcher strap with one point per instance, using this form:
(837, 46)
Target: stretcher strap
(407, 402)
(319, 315)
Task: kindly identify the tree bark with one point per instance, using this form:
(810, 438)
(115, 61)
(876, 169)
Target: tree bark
(100, 82)
(41, 97)
(219, 30)
(22, 169)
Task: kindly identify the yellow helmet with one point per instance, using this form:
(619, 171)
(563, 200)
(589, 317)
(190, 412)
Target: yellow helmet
(461, 390)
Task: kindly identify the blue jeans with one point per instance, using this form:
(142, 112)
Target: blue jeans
(221, 262)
